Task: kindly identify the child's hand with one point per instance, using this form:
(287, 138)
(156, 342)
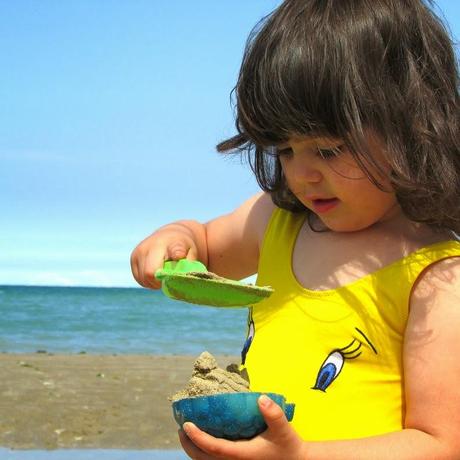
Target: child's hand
(278, 441)
(172, 242)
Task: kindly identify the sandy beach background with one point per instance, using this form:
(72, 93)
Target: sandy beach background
(91, 401)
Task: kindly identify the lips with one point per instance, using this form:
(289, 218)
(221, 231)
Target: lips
(322, 205)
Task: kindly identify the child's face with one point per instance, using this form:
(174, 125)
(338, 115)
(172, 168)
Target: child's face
(334, 186)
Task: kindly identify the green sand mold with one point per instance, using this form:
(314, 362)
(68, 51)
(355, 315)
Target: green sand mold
(190, 281)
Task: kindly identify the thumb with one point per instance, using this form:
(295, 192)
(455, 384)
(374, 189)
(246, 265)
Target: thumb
(177, 250)
(273, 415)
(192, 253)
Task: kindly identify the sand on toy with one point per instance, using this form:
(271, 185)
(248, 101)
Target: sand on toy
(208, 379)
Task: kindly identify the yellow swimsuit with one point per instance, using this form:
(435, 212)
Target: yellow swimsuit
(337, 354)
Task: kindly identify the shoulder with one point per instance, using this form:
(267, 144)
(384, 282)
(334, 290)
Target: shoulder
(234, 239)
(256, 213)
(434, 315)
(437, 291)
(260, 204)
(440, 279)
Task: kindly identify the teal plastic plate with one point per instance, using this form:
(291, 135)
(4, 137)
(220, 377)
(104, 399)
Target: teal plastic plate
(190, 281)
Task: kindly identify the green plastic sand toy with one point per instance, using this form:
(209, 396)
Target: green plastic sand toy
(190, 281)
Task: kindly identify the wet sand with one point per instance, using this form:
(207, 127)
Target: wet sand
(91, 401)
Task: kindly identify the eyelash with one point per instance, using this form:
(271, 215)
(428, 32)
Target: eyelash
(329, 154)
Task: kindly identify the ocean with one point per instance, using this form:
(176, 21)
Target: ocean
(114, 321)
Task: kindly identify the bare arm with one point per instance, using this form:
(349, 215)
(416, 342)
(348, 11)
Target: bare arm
(234, 239)
(432, 376)
(227, 245)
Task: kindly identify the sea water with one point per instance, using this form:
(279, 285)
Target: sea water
(114, 321)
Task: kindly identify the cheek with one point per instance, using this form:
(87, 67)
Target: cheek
(287, 170)
(344, 167)
(362, 208)
(370, 199)
(284, 164)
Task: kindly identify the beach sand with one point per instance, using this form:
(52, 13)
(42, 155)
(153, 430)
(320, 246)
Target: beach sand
(91, 401)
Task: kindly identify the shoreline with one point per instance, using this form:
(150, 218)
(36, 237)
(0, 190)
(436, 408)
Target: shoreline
(81, 401)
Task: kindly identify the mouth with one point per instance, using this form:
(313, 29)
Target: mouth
(321, 205)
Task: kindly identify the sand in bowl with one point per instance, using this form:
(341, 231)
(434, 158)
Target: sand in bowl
(209, 379)
(220, 402)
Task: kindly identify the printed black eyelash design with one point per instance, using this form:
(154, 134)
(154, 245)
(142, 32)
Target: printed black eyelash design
(351, 353)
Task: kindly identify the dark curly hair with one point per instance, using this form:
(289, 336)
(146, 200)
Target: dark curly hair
(335, 68)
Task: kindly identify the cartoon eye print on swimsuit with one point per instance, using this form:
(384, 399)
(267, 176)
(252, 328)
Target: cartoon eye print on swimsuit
(250, 337)
(333, 364)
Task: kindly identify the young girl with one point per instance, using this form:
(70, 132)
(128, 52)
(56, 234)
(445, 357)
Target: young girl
(349, 111)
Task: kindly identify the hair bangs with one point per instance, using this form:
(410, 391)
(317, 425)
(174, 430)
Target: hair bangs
(292, 82)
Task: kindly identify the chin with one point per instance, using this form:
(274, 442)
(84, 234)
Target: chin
(345, 227)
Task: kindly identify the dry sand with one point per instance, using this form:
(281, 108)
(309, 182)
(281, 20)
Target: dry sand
(91, 401)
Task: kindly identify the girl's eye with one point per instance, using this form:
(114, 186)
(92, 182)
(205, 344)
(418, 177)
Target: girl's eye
(329, 154)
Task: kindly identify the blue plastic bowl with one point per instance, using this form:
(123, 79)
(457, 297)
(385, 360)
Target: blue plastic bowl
(228, 415)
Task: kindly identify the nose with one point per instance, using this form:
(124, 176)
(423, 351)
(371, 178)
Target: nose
(305, 170)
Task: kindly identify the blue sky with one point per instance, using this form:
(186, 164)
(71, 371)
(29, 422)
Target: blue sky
(110, 112)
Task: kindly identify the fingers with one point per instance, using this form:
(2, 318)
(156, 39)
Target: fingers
(151, 263)
(209, 447)
(149, 256)
(134, 267)
(144, 263)
(156, 259)
(190, 449)
(279, 431)
(274, 416)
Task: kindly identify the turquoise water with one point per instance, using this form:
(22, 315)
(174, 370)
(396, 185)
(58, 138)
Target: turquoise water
(113, 320)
